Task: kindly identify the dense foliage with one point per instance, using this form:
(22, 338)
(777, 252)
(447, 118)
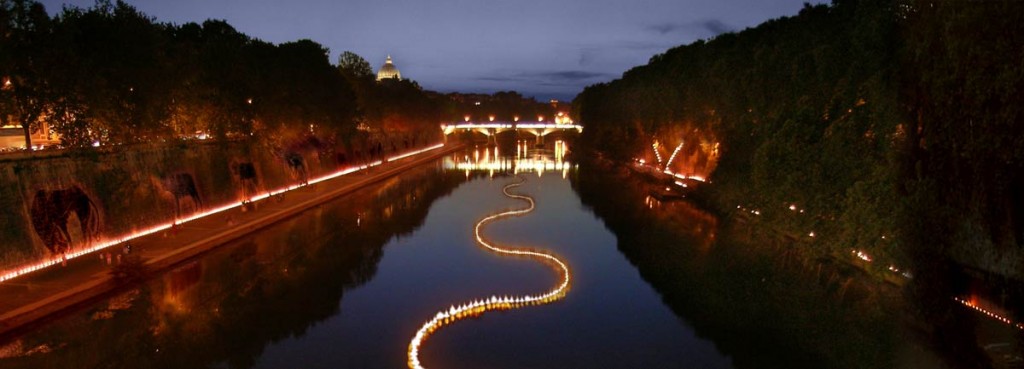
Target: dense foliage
(890, 127)
(111, 75)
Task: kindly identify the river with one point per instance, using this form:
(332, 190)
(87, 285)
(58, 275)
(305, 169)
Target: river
(348, 284)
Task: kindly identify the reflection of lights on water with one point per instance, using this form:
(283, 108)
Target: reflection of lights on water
(989, 313)
(522, 165)
(478, 307)
(492, 163)
(560, 149)
(99, 245)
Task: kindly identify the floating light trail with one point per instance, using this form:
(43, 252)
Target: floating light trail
(102, 244)
(478, 307)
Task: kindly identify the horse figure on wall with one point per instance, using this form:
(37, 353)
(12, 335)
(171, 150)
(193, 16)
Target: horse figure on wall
(298, 166)
(245, 173)
(51, 212)
(181, 187)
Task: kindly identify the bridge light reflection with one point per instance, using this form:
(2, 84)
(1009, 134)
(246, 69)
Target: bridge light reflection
(493, 162)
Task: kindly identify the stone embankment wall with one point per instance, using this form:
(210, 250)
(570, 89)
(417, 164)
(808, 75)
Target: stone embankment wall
(58, 201)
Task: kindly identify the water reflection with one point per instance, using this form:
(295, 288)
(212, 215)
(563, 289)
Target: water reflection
(224, 309)
(489, 160)
(765, 304)
(478, 307)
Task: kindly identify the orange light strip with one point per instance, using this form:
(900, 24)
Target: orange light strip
(478, 307)
(11, 274)
(989, 313)
(680, 176)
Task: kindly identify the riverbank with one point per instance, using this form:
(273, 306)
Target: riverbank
(33, 299)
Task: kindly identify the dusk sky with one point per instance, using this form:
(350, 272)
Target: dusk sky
(541, 48)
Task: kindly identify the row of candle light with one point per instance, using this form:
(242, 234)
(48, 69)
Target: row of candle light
(480, 306)
(100, 245)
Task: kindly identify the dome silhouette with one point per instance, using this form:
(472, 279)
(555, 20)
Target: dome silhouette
(388, 70)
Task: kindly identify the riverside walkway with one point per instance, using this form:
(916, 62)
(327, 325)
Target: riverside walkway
(32, 299)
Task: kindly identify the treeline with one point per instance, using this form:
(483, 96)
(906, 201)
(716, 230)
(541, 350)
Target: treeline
(112, 75)
(504, 106)
(888, 127)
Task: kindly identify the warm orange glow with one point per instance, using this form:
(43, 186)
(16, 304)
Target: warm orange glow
(657, 154)
(490, 118)
(102, 244)
(480, 306)
(862, 255)
(466, 118)
(673, 157)
(540, 118)
(973, 305)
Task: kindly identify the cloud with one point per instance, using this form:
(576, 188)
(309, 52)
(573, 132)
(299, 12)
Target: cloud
(713, 26)
(557, 78)
(594, 54)
(570, 75)
(664, 28)
(587, 56)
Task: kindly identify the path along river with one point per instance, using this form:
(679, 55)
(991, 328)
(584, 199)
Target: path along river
(363, 281)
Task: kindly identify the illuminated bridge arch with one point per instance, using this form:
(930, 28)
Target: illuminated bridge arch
(491, 129)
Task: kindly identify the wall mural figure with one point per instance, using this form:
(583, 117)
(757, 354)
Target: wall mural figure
(298, 167)
(181, 186)
(245, 174)
(51, 212)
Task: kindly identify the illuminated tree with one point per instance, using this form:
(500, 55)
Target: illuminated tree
(24, 38)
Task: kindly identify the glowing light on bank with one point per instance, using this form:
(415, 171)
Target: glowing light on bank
(105, 243)
(862, 255)
(657, 154)
(673, 156)
(990, 314)
(683, 176)
(477, 307)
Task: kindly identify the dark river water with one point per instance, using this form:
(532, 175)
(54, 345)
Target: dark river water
(349, 283)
